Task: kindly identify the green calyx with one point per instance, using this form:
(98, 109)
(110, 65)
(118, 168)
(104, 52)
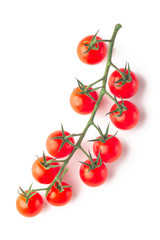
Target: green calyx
(94, 43)
(120, 108)
(61, 188)
(93, 164)
(126, 78)
(65, 138)
(58, 183)
(27, 194)
(86, 90)
(48, 164)
(103, 137)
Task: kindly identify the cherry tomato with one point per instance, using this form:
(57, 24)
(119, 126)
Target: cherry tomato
(128, 89)
(43, 175)
(128, 119)
(35, 205)
(81, 103)
(57, 198)
(93, 56)
(110, 151)
(53, 145)
(93, 177)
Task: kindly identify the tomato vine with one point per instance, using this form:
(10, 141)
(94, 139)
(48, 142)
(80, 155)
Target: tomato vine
(91, 119)
(66, 138)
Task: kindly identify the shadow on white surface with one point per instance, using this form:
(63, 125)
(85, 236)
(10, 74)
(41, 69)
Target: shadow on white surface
(137, 99)
(113, 167)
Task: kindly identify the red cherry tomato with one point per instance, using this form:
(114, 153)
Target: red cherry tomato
(110, 151)
(43, 175)
(128, 119)
(125, 91)
(53, 145)
(35, 205)
(93, 177)
(93, 56)
(81, 103)
(57, 198)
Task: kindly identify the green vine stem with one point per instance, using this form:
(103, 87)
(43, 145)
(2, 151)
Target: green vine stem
(90, 121)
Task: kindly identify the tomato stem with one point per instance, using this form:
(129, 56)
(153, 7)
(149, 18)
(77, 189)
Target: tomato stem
(111, 44)
(90, 85)
(99, 131)
(39, 189)
(109, 95)
(103, 40)
(88, 156)
(123, 75)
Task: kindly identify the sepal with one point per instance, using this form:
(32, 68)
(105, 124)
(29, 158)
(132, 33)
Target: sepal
(126, 78)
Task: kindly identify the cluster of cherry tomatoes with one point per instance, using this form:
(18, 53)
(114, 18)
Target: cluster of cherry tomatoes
(107, 148)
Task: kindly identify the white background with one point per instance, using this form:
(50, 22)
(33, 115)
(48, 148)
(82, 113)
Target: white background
(38, 66)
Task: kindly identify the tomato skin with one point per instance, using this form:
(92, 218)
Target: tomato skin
(110, 151)
(94, 177)
(43, 175)
(93, 56)
(53, 145)
(128, 89)
(128, 119)
(35, 205)
(81, 103)
(57, 198)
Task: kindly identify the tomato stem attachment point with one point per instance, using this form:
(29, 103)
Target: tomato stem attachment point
(126, 77)
(103, 137)
(86, 90)
(120, 108)
(94, 164)
(27, 194)
(93, 44)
